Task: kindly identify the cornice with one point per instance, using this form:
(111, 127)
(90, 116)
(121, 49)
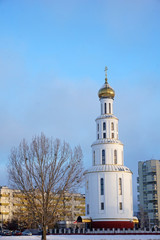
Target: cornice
(107, 141)
(108, 168)
(106, 116)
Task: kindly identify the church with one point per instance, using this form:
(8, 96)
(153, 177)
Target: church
(108, 183)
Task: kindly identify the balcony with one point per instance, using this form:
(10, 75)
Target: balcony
(155, 206)
(4, 213)
(4, 195)
(4, 204)
(151, 179)
(155, 197)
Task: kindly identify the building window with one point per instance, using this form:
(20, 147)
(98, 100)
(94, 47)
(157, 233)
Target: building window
(112, 135)
(115, 156)
(98, 127)
(94, 159)
(101, 108)
(104, 135)
(109, 107)
(103, 157)
(97, 136)
(102, 205)
(112, 126)
(87, 208)
(120, 186)
(105, 108)
(104, 126)
(120, 206)
(102, 186)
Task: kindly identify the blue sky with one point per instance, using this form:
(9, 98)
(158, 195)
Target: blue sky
(52, 60)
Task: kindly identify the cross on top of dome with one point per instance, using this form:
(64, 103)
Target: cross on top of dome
(106, 74)
(106, 91)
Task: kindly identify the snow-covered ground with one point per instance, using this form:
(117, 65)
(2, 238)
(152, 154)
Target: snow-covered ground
(84, 237)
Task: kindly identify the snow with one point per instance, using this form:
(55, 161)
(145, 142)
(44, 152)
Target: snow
(84, 237)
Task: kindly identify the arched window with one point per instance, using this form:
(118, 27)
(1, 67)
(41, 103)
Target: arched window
(120, 206)
(103, 157)
(102, 186)
(104, 126)
(109, 107)
(94, 159)
(105, 108)
(87, 209)
(101, 109)
(112, 126)
(120, 186)
(102, 205)
(98, 127)
(115, 156)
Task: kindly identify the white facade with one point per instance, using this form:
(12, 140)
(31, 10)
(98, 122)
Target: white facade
(108, 183)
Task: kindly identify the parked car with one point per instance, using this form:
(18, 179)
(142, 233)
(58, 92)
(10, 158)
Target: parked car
(17, 233)
(26, 233)
(6, 232)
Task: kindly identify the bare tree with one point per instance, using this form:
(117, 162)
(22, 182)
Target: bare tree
(144, 219)
(43, 170)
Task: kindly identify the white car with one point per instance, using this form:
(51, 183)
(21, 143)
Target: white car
(26, 233)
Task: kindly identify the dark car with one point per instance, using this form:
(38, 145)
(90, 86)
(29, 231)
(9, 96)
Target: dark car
(6, 233)
(17, 233)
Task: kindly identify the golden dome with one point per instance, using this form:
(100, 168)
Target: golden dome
(106, 91)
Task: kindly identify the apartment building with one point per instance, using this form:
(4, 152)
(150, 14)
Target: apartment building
(149, 192)
(71, 205)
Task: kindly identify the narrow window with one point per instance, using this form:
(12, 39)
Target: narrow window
(104, 135)
(94, 158)
(102, 205)
(98, 127)
(105, 108)
(104, 126)
(103, 157)
(87, 208)
(97, 136)
(120, 206)
(120, 186)
(115, 156)
(112, 126)
(102, 186)
(101, 109)
(112, 135)
(109, 107)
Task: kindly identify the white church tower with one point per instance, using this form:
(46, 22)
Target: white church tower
(109, 199)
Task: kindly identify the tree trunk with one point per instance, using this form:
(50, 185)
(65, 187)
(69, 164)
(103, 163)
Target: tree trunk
(44, 233)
